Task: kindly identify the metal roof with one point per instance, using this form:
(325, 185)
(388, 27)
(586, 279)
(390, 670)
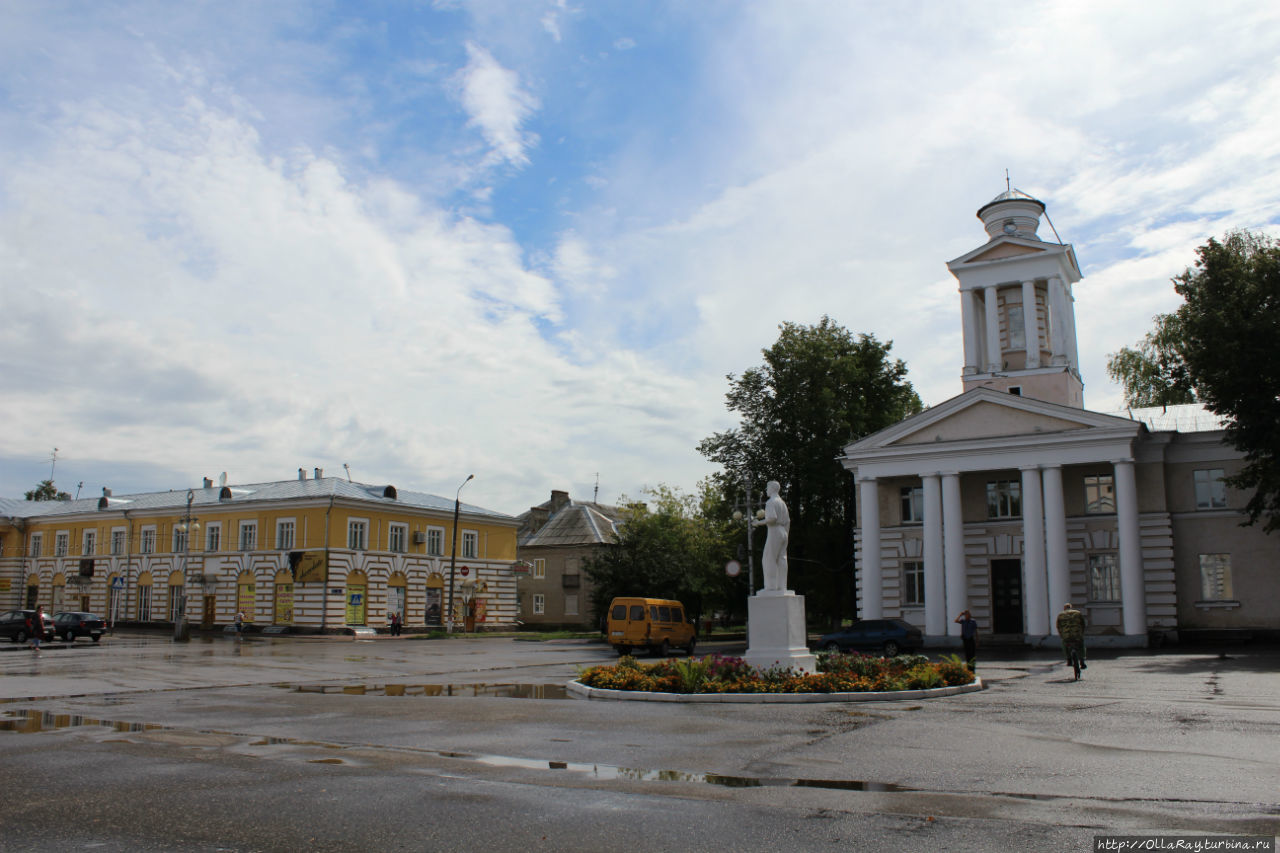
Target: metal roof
(281, 490)
(1185, 417)
(573, 524)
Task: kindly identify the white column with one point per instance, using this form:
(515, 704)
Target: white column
(992, 356)
(953, 550)
(1031, 329)
(1133, 592)
(1035, 601)
(969, 322)
(935, 591)
(872, 576)
(1058, 309)
(1073, 356)
(1055, 541)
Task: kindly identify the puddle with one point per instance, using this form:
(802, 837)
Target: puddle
(505, 691)
(33, 722)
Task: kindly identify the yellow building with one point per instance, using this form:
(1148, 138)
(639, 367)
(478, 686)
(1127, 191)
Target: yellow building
(311, 554)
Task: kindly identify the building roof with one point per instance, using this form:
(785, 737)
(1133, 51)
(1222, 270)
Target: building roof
(1185, 417)
(212, 496)
(573, 524)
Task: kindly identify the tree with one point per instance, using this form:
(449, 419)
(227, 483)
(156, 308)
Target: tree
(818, 389)
(668, 548)
(1154, 373)
(47, 491)
(1228, 326)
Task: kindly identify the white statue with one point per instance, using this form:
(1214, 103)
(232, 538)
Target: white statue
(778, 520)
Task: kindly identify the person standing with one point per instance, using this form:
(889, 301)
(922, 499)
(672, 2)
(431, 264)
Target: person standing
(1070, 625)
(35, 627)
(239, 623)
(395, 624)
(969, 636)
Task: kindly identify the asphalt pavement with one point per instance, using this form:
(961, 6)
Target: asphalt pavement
(141, 743)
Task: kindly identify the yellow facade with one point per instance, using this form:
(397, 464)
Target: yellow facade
(289, 553)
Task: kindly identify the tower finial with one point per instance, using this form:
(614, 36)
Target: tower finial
(1007, 185)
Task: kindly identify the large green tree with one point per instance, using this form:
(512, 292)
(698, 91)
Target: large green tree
(47, 491)
(819, 388)
(1220, 347)
(668, 547)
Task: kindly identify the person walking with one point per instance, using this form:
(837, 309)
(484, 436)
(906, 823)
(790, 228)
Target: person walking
(35, 627)
(395, 624)
(239, 624)
(1070, 624)
(969, 636)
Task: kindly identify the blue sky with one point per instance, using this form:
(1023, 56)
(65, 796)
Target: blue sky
(527, 240)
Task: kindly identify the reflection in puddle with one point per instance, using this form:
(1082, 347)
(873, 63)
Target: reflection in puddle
(505, 691)
(32, 721)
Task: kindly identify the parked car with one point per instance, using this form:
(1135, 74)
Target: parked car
(70, 624)
(14, 625)
(890, 636)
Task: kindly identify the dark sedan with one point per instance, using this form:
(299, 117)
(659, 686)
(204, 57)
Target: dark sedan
(70, 624)
(890, 636)
(14, 625)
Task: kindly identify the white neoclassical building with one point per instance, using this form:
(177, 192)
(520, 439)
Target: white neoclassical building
(1011, 499)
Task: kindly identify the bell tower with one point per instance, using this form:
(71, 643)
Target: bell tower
(1017, 307)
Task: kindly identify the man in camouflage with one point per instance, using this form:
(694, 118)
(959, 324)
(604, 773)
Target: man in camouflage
(1071, 630)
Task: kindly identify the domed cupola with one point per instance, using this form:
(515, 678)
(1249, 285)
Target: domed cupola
(1012, 213)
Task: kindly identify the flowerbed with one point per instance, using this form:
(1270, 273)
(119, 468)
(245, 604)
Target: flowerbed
(837, 673)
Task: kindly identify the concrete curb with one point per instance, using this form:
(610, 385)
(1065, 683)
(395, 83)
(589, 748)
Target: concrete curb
(579, 689)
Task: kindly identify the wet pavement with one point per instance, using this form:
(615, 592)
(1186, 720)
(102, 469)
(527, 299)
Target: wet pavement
(287, 744)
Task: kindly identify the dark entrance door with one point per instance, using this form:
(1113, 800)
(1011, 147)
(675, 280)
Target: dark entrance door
(1006, 596)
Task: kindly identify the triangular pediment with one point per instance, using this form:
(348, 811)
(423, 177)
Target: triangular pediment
(1005, 250)
(1005, 247)
(988, 419)
(984, 415)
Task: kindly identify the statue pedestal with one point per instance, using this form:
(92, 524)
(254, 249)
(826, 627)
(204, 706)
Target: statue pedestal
(776, 633)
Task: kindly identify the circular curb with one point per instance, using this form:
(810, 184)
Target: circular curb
(585, 692)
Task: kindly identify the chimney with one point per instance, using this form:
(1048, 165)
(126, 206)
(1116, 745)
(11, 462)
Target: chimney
(106, 493)
(302, 474)
(559, 500)
(208, 484)
(319, 473)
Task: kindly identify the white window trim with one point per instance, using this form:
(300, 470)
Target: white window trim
(462, 549)
(404, 537)
(142, 540)
(293, 523)
(539, 604)
(35, 545)
(62, 543)
(175, 533)
(1212, 480)
(124, 541)
(212, 528)
(240, 529)
(440, 551)
(539, 567)
(89, 543)
(364, 546)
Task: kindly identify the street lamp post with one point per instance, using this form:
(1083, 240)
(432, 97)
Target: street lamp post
(453, 551)
(181, 630)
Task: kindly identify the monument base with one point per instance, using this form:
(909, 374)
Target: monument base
(776, 634)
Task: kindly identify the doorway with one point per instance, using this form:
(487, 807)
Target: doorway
(1006, 596)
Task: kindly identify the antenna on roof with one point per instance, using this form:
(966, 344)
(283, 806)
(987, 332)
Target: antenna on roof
(53, 461)
(1050, 221)
(595, 498)
(347, 468)
(79, 486)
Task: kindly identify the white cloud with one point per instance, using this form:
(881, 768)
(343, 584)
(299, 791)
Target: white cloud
(497, 105)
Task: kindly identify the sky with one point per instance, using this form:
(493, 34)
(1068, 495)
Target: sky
(528, 240)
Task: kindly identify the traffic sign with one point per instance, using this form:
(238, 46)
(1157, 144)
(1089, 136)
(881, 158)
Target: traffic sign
(118, 583)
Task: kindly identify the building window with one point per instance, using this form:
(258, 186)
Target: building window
(1211, 492)
(248, 535)
(1017, 325)
(148, 541)
(912, 498)
(540, 568)
(1100, 495)
(357, 535)
(285, 535)
(1104, 578)
(1004, 499)
(539, 604)
(90, 543)
(213, 537)
(913, 583)
(435, 541)
(117, 542)
(397, 538)
(1215, 577)
(470, 541)
(144, 602)
(61, 544)
(571, 605)
(175, 602)
(179, 541)
(37, 545)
